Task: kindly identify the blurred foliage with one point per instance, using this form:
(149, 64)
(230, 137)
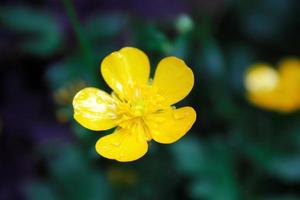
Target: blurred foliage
(40, 30)
(234, 151)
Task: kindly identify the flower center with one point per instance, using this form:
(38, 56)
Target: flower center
(139, 102)
(138, 109)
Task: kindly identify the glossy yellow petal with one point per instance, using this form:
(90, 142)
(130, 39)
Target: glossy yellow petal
(173, 79)
(125, 144)
(261, 78)
(170, 125)
(125, 68)
(95, 109)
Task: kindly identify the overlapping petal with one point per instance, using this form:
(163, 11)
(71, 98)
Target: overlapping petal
(125, 68)
(170, 125)
(174, 79)
(95, 109)
(125, 144)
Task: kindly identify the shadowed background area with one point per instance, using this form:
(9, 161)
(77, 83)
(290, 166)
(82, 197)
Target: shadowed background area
(51, 49)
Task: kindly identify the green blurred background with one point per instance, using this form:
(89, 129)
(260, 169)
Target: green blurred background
(51, 49)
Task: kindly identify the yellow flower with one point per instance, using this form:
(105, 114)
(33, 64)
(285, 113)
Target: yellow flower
(273, 89)
(140, 108)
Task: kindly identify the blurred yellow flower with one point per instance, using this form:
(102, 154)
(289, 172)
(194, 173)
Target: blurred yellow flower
(140, 108)
(277, 90)
(64, 95)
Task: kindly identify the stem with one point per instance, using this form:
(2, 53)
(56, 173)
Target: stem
(83, 43)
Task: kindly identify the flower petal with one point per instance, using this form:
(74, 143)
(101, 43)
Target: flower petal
(170, 125)
(289, 70)
(261, 78)
(125, 68)
(95, 109)
(123, 145)
(174, 79)
(277, 100)
(289, 67)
